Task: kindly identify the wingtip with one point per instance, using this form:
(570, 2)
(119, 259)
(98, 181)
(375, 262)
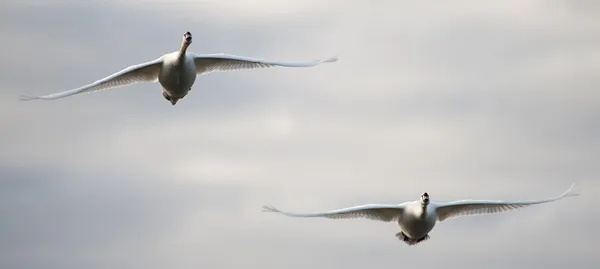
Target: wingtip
(331, 59)
(571, 191)
(269, 208)
(27, 98)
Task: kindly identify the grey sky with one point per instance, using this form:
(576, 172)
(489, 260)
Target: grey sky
(474, 99)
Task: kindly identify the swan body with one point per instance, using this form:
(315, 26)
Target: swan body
(417, 218)
(176, 72)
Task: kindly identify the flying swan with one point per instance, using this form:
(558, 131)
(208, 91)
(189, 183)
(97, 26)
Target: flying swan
(417, 218)
(176, 72)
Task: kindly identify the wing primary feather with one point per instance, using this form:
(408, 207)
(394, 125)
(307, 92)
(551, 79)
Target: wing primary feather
(456, 209)
(144, 72)
(369, 211)
(220, 62)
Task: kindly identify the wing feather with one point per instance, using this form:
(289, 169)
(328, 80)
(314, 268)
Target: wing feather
(144, 72)
(207, 63)
(461, 208)
(370, 211)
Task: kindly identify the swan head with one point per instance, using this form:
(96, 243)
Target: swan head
(425, 198)
(187, 38)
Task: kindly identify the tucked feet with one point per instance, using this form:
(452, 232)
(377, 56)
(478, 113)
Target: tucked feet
(410, 241)
(402, 236)
(166, 96)
(423, 238)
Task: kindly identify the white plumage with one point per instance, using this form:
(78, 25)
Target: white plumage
(176, 72)
(417, 218)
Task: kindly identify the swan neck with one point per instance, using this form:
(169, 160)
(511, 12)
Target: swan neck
(182, 51)
(423, 211)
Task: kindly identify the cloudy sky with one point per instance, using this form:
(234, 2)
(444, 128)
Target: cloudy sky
(469, 99)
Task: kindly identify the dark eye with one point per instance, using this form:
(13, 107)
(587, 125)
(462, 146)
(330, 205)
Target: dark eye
(425, 194)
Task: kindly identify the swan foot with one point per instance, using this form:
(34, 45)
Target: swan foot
(166, 95)
(409, 241)
(173, 100)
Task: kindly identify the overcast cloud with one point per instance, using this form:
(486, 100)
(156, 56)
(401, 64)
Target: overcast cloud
(462, 99)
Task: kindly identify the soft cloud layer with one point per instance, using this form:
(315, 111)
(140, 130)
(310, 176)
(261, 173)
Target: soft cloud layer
(463, 100)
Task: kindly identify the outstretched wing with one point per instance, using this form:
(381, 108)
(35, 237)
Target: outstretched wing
(447, 211)
(144, 72)
(371, 211)
(206, 63)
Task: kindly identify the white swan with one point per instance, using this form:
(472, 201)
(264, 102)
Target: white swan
(176, 72)
(416, 219)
